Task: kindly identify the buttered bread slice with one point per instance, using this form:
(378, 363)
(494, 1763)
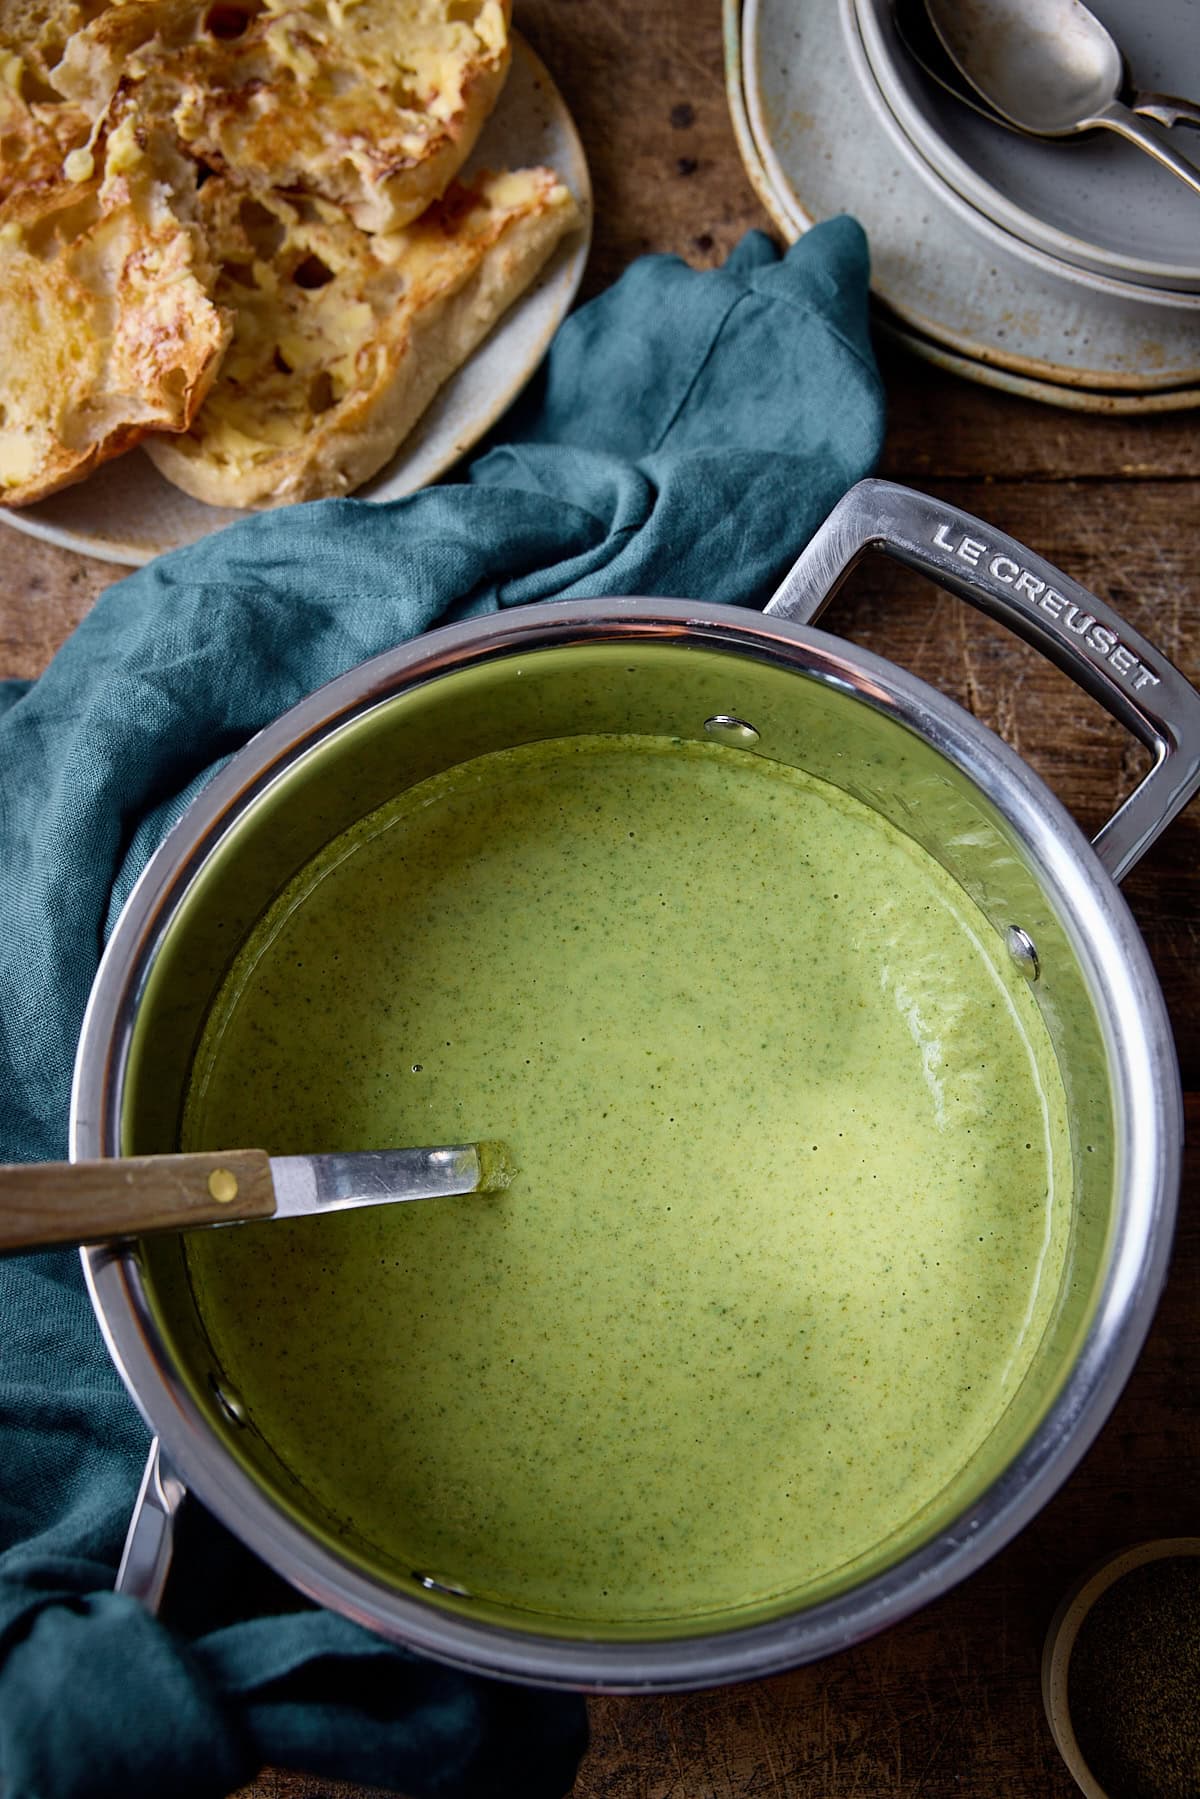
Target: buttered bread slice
(106, 318)
(342, 338)
(371, 104)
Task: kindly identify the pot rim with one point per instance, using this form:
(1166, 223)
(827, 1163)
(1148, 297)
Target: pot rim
(1142, 1069)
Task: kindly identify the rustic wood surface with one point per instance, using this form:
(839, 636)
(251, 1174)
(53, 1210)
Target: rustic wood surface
(949, 1702)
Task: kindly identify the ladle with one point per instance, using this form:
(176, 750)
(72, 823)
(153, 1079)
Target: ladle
(45, 1203)
(1050, 68)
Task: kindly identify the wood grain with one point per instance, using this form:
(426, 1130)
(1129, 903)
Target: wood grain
(89, 1202)
(944, 428)
(44, 593)
(948, 1703)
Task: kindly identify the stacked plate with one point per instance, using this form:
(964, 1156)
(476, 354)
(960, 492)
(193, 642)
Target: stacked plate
(1068, 270)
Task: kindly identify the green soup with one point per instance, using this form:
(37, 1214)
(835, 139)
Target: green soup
(793, 1194)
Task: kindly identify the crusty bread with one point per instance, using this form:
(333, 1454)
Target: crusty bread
(35, 33)
(371, 104)
(105, 313)
(169, 165)
(342, 338)
(35, 142)
(38, 128)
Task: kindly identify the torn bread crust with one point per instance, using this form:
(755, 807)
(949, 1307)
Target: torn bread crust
(35, 142)
(342, 339)
(38, 128)
(105, 285)
(371, 104)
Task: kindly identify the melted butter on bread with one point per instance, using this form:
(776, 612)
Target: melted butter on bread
(371, 104)
(167, 166)
(105, 285)
(342, 339)
(38, 125)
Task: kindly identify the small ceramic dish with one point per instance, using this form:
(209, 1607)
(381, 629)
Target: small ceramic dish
(128, 513)
(1062, 1635)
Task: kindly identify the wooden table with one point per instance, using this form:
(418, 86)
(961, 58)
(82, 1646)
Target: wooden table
(948, 1703)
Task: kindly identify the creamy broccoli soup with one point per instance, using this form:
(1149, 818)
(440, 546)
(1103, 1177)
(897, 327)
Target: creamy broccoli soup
(793, 1191)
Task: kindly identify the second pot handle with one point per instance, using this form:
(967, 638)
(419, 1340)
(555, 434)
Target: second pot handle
(150, 1539)
(1077, 631)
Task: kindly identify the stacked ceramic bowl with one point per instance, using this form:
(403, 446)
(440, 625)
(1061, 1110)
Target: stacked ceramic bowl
(1064, 269)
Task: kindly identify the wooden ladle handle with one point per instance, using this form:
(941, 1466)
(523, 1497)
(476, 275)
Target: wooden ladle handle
(43, 1203)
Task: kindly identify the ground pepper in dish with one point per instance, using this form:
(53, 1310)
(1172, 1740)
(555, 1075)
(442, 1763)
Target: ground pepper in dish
(1133, 1683)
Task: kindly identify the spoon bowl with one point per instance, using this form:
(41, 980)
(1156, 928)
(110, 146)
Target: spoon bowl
(915, 31)
(1052, 69)
(1044, 69)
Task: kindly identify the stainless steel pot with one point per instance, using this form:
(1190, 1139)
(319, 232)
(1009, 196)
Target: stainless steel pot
(784, 691)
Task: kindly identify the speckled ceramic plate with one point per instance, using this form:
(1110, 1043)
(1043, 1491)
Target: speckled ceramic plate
(1047, 393)
(128, 513)
(1096, 202)
(819, 139)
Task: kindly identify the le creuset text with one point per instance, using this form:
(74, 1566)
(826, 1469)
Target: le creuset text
(1098, 637)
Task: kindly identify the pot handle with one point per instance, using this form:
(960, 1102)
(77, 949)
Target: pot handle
(1077, 631)
(150, 1539)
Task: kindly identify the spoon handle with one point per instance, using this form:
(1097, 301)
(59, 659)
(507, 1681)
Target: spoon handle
(1166, 109)
(43, 1203)
(1119, 118)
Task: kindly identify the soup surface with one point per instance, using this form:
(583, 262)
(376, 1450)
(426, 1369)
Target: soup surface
(793, 1191)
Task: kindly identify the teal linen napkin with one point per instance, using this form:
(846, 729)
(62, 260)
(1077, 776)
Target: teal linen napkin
(686, 436)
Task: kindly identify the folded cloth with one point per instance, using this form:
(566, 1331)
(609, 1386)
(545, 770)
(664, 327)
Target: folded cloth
(686, 436)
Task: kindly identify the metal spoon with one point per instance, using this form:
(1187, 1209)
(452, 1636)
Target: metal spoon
(72, 1202)
(915, 31)
(42, 1203)
(1051, 68)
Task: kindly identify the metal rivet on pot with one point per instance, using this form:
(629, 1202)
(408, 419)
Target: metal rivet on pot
(1023, 952)
(229, 1400)
(438, 1583)
(728, 729)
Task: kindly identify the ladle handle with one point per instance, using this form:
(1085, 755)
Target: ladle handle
(1080, 633)
(44, 1203)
